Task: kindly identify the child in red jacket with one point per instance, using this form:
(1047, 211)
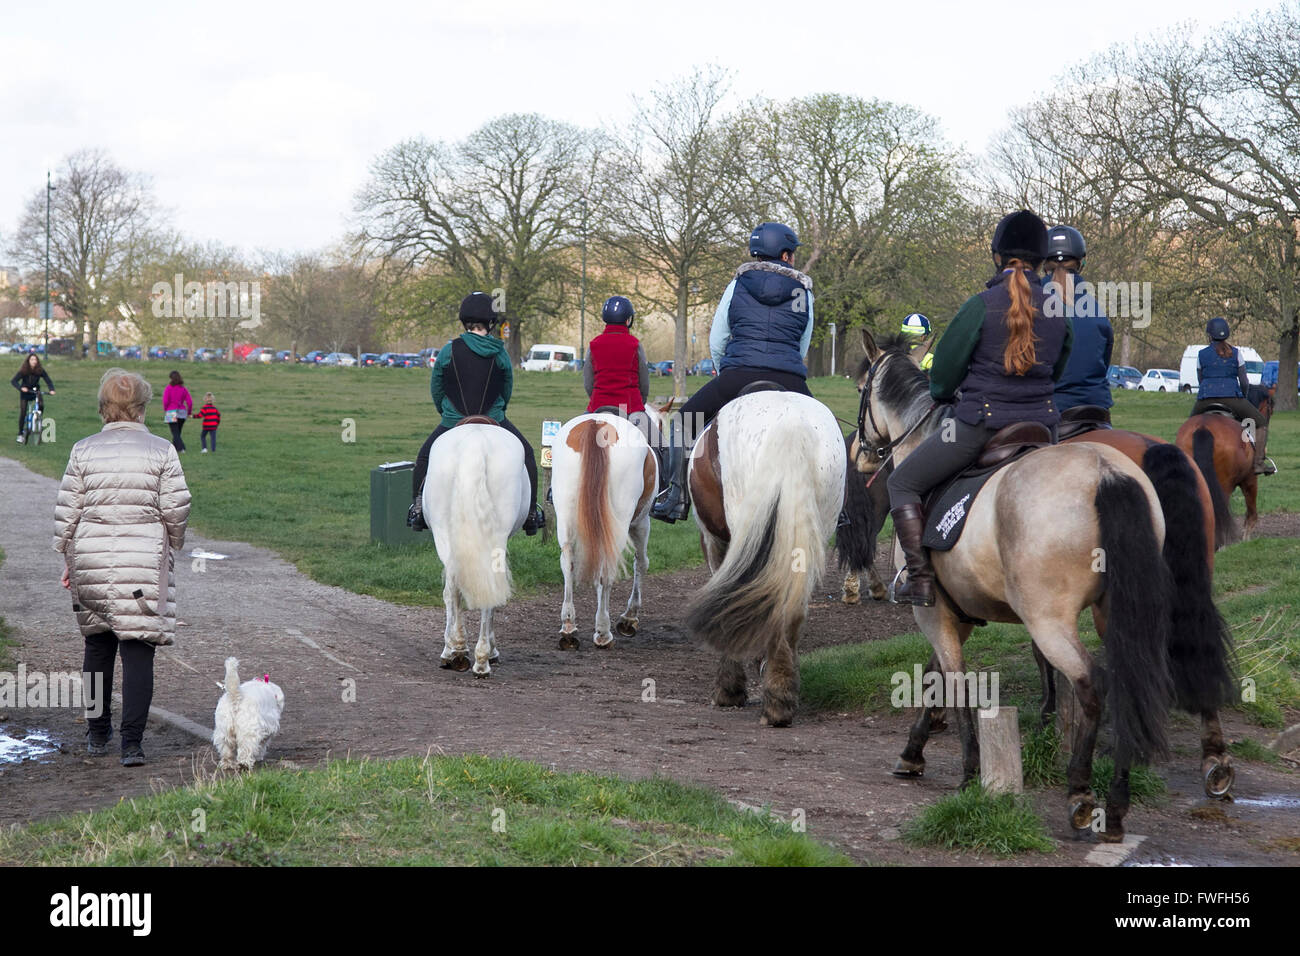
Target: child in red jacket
(211, 418)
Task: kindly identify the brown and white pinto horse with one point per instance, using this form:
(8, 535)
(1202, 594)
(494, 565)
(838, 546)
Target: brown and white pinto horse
(1218, 443)
(767, 483)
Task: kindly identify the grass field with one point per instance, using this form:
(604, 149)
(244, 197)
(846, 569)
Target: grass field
(443, 811)
(285, 477)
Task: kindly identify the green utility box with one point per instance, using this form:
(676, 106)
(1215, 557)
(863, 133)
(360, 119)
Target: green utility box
(390, 497)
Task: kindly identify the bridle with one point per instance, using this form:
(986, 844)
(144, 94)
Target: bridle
(885, 452)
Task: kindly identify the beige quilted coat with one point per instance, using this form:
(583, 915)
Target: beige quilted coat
(120, 519)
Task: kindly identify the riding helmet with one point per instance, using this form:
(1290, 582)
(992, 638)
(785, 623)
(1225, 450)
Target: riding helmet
(617, 311)
(478, 308)
(770, 239)
(1217, 329)
(1065, 242)
(916, 324)
(1020, 235)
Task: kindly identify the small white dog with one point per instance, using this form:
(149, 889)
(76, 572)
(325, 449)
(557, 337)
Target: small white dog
(248, 714)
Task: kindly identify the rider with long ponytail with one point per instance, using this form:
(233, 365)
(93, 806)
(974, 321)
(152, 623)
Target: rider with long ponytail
(998, 359)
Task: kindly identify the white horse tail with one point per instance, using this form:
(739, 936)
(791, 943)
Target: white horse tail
(478, 538)
(601, 537)
(777, 549)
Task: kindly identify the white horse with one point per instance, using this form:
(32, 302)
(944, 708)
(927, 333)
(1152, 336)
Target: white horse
(767, 483)
(603, 481)
(475, 498)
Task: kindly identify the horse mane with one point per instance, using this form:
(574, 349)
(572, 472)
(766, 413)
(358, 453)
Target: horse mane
(901, 385)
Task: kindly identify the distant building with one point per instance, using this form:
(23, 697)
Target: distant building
(9, 277)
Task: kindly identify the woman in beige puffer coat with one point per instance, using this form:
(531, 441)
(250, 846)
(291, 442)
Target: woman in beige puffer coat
(120, 518)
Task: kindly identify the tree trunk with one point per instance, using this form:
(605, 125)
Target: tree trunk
(1124, 348)
(1284, 397)
(679, 341)
(514, 344)
(93, 351)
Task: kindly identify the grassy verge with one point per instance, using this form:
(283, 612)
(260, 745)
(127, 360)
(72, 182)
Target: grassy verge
(973, 819)
(411, 811)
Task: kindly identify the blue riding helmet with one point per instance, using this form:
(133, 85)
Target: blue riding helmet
(1217, 329)
(770, 239)
(617, 311)
(916, 324)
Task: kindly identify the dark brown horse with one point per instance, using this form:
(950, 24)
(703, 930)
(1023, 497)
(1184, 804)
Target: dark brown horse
(1219, 445)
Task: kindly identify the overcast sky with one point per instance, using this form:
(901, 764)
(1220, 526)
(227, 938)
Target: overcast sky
(257, 120)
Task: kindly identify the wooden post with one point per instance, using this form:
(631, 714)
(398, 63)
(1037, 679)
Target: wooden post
(1068, 715)
(999, 738)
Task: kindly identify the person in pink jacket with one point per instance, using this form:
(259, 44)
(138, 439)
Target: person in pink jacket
(177, 406)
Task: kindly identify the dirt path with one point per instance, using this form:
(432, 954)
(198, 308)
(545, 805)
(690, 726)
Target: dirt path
(571, 711)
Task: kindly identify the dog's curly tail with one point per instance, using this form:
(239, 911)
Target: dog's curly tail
(232, 678)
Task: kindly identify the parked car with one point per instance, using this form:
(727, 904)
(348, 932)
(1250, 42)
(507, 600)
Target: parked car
(1123, 376)
(314, 357)
(549, 358)
(385, 359)
(662, 368)
(1190, 369)
(284, 355)
(427, 357)
(343, 359)
(703, 367)
(257, 355)
(60, 346)
(368, 359)
(1159, 380)
(131, 352)
(410, 360)
(205, 354)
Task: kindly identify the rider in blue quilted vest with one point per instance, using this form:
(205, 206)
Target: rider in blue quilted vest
(1084, 380)
(1221, 370)
(761, 332)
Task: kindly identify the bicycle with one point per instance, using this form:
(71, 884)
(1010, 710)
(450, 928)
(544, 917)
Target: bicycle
(35, 411)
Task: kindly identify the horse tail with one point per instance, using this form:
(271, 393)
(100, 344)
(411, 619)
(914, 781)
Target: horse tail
(478, 535)
(855, 542)
(1200, 644)
(1137, 615)
(599, 545)
(1225, 528)
(776, 555)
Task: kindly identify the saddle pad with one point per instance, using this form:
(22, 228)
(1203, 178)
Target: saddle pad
(948, 505)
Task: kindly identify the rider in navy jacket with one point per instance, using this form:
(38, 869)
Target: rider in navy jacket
(1221, 370)
(1084, 380)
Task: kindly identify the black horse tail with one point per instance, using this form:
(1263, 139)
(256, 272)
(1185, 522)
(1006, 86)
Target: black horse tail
(1200, 644)
(855, 541)
(1138, 603)
(1225, 528)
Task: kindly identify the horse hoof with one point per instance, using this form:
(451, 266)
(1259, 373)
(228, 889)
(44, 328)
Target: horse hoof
(457, 662)
(568, 642)
(1218, 778)
(766, 721)
(604, 646)
(938, 724)
(626, 628)
(1081, 812)
(879, 594)
(908, 768)
(722, 698)
(1109, 836)
(850, 599)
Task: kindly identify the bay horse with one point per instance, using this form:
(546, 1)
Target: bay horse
(603, 481)
(1029, 555)
(1217, 442)
(475, 497)
(766, 480)
(866, 506)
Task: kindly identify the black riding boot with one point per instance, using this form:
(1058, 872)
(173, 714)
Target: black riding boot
(415, 514)
(909, 523)
(675, 503)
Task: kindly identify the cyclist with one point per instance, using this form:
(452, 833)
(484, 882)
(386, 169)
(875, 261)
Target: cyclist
(28, 383)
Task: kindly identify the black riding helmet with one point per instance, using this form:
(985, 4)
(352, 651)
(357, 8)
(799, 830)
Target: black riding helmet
(1065, 242)
(617, 311)
(477, 308)
(1217, 329)
(770, 239)
(1020, 235)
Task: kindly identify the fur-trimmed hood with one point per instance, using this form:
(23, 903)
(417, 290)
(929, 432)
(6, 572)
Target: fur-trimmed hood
(763, 265)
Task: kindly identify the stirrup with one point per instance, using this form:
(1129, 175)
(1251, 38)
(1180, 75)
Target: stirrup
(415, 517)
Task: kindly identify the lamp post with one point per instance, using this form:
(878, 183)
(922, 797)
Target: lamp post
(582, 295)
(45, 306)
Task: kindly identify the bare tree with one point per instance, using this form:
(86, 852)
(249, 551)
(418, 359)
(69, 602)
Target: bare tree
(98, 216)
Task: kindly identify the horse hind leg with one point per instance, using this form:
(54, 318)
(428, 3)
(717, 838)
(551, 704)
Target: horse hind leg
(781, 679)
(851, 589)
(1250, 490)
(568, 626)
(1216, 766)
(455, 653)
(602, 636)
(631, 620)
(730, 686)
(875, 586)
(1047, 676)
(483, 650)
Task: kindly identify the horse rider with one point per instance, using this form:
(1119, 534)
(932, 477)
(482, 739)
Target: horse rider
(1221, 369)
(615, 373)
(1003, 354)
(473, 376)
(917, 327)
(761, 332)
(1084, 380)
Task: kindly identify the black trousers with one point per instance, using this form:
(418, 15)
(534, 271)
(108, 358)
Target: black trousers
(137, 685)
(176, 427)
(422, 460)
(207, 433)
(948, 450)
(702, 407)
(24, 399)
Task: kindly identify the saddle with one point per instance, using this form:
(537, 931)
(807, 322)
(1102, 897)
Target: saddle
(476, 420)
(1217, 409)
(1082, 419)
(762, 385)
(947, 506)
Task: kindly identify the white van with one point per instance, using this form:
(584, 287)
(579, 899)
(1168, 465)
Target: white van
(549, 358)
(1189, 371)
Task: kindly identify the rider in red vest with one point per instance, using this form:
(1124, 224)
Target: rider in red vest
(615, 373)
